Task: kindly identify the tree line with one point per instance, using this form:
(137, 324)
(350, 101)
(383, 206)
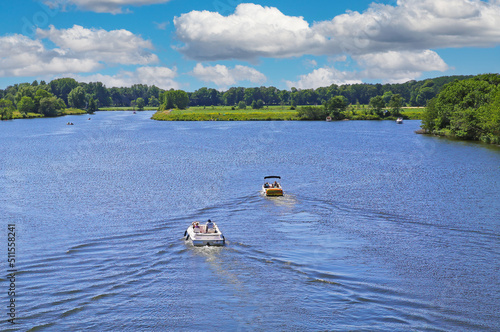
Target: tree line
(468, 109)
(67, 92)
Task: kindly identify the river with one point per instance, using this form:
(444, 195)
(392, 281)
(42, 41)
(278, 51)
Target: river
(380, 229)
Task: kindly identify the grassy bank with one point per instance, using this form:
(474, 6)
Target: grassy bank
(69, 111)
(226, 113)
(126, 109)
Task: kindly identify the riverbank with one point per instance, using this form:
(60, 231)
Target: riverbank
(272, 113)
(69, 111)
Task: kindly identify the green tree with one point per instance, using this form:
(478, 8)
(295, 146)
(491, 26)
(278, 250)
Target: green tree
(242, 105)
(312, 113)
(76, 98)
(40, 94)
(25, 105)
(153, 102)
(92, 107)
(6, 109)
(337, 106)
(387, 97)
(396, 105)
(377, 104)
(51, 106)
(61, 87)
(174, 98)
(257, 104)
(140, 104)
(467, 109)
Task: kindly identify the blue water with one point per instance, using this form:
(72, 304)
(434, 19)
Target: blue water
(380, 229)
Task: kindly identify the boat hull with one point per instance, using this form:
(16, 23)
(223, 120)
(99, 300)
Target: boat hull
(205, 239)
(273, 191)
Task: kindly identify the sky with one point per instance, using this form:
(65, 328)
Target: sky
(189, 44)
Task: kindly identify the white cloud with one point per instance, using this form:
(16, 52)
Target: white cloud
(22, 56)
(414, 25)
(254, 31)
(223, 76)
(162, 77)
(398, 67)
(102, 6)
(77, 50)
(390, 67)
(115, 46)
(325, 76)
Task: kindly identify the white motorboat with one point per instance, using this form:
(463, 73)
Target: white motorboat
(204, 235)
(272, 189)
(399, 120)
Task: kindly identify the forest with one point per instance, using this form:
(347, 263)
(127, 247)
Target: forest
(467, 109)
(49, 99)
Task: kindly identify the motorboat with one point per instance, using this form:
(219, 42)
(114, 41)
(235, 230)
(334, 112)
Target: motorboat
(207, 234)
(272, 189)
(399, 120)
(328, 119)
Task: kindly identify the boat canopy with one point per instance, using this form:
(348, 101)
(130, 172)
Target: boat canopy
(272, 177)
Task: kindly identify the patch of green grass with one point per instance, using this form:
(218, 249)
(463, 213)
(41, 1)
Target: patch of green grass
(18, 115)
(225, 113)
(147, 108)
(73, 111)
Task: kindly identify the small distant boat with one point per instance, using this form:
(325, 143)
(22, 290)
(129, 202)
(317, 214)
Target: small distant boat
(70, 123)
(272, 189)
(204, 235)
(134, 112)
(328, 119)
(399, 120)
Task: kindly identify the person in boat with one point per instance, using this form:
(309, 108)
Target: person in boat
(266, 185)
(275, 184)
(210, 225)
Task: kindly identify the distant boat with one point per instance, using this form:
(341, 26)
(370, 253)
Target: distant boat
(399, 120)
(272, 189)
(328, 119)
(69, 123)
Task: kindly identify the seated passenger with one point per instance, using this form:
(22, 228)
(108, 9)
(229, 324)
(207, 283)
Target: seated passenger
(210, 226)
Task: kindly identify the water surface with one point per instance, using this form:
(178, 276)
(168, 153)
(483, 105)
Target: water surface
(379, 229)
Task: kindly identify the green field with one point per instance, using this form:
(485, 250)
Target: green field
(225, 113)
(69, 111)
(147, 108)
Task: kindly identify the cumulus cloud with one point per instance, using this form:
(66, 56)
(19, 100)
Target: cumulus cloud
(399, 67)
(414, 25)
(101, 6)
(23, 56)
(77, 50)
(390, 67)
(115, 46)
(162, 77)
(223, 76)
(324, 77)
(255, 31)
(252, 31)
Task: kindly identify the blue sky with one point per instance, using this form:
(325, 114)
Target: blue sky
(186, 44)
